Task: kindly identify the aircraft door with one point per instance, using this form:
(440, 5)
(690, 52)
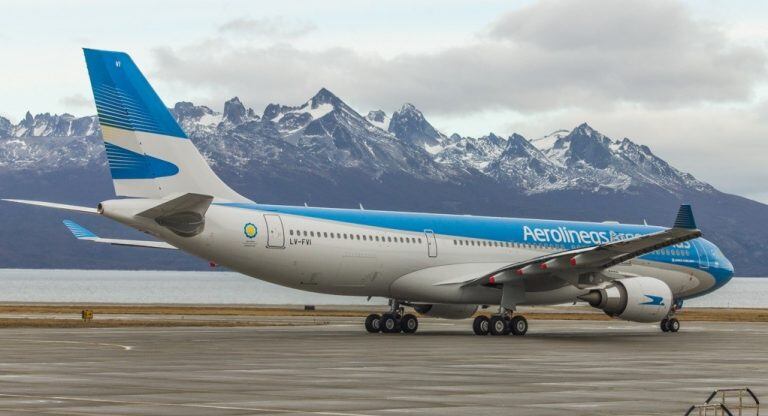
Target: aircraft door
(275, 234)
(431, 243)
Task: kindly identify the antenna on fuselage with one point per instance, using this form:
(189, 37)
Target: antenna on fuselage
(361, 206)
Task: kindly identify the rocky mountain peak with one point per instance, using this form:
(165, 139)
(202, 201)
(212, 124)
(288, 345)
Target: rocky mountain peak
(5, 127)
(324, 96)
(234, 111)
(409, 124)
(187, 110)
(376, 115)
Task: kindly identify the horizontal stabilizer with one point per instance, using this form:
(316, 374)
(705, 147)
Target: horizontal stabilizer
(82, 233)
(79, 231)
(685, 218)
(75, 208)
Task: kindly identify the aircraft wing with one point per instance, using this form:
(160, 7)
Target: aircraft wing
(82, 233)
(576, 266)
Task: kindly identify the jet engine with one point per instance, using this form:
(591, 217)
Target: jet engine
(637, 299)
(446, 311)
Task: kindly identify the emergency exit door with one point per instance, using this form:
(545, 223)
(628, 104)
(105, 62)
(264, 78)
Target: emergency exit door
(275, 234)
(431, 243)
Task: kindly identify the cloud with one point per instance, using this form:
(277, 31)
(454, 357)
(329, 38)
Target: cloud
(276, 27)
(553, 54)
(76, 101)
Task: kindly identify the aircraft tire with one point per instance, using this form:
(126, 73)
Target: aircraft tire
(518, 325)
(673, 325)
(481, 325)
(409, 324)
(389, 324)
(373, 323)
(499, 325)
(663, 325)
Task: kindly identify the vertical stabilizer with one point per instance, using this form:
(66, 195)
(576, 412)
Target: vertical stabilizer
(149, 154)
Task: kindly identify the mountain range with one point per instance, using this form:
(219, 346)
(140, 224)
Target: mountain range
(325, 153)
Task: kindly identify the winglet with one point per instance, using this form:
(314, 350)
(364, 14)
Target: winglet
(79, 231)
(685, 218)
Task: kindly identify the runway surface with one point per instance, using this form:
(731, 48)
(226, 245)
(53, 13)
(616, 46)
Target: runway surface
(560, 367)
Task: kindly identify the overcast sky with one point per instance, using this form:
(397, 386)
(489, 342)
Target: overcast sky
(687, 78)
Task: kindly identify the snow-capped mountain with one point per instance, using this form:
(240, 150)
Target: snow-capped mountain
(324, 152)
(325, 133)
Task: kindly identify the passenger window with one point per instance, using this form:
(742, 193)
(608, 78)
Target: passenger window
(305, 233)
(291, 232)
(401, 240)
(345, 236)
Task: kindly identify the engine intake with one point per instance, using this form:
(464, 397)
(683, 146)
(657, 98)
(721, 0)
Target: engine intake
(446, 311)
(637, 299)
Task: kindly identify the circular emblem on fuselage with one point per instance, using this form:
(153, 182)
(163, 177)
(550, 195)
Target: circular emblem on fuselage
(250, 230)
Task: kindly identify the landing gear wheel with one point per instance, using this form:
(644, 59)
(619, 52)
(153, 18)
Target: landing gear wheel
(519, 325)
(499, 325)
(481, 325)
(389, 324)
(409, 324)
(673, 325)
(663, 325)
(373, 323)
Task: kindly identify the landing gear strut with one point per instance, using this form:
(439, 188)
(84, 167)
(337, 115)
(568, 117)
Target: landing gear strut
(503, 323)
(393, 321)
(670, 323)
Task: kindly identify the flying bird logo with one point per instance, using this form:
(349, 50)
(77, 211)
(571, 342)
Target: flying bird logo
(654, 300)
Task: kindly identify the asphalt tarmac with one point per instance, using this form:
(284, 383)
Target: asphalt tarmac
(558, 368)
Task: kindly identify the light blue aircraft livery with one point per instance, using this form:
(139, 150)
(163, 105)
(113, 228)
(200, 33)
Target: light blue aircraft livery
(440, 265)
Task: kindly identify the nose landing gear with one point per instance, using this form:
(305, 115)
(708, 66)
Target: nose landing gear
(670, 325)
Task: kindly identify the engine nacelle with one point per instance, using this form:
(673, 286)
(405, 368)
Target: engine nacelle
(446, 311)
(637, 299)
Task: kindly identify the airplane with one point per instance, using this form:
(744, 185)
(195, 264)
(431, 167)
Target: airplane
(440, 265)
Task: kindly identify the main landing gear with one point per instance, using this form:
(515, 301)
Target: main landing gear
(670, 323)
(502, 324)
(392, 322)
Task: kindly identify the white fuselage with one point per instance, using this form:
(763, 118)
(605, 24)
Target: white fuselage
(336, 257)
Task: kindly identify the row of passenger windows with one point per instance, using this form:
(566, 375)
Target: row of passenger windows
(483, 243)
(361, 237)
(469, 243)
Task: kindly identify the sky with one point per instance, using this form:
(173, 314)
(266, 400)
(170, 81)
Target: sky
(687, 78)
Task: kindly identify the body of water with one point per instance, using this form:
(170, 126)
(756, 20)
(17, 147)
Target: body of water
(118, 286)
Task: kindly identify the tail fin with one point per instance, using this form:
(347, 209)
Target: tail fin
(149, 155)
